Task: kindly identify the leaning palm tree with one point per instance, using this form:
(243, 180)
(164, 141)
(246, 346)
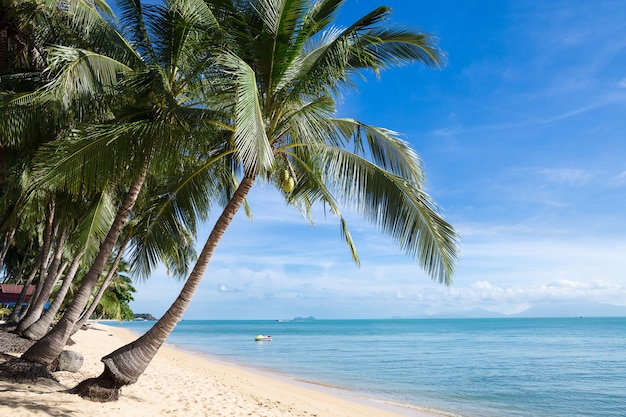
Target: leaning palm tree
(284, 67)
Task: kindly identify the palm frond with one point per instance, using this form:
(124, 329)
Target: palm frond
(87, 161)
(384, 147)
(82, 73)
(320, 15)
(95, 224)
(384, 47)
(132, 17)
(166, 227)
(250, 135)
(398, 207)
(347, 237)
(188, 25)
(325, 68)
(91, 20)
(283, 19)
(311, 122)
(84, 11)
(23, 119)
(312, 188)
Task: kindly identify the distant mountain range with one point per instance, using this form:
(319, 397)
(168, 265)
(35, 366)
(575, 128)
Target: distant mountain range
(552, 309)
(587, 309)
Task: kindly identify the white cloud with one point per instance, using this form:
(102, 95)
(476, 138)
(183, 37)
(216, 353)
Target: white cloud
(567, 176)
(619, 180)
(226, 288)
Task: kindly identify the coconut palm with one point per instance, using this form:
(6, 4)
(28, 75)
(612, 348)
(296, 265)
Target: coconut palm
(89, 222)
(26, 28)
(284, 66)
(148, 102)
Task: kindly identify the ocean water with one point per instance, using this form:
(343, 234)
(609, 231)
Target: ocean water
(562, 367)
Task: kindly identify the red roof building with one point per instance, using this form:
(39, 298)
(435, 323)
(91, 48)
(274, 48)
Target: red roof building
(9, 293)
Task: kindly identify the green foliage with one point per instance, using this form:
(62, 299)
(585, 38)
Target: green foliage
(115, 301)
(286, 65)
(203, 92)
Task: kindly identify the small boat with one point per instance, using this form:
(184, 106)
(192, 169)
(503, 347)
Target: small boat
(261, 338)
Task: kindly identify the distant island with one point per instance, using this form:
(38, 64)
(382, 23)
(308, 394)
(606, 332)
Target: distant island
(310, 318)
(143, 316)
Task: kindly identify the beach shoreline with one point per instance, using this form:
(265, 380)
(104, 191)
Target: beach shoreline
(179, 382)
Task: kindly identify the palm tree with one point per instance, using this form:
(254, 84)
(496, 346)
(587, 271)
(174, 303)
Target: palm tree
(149, 106)
(90, 222)
(26, 28)
(284, 67)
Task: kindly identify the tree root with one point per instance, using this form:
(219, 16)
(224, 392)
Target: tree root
(100, 389)
(20, 371)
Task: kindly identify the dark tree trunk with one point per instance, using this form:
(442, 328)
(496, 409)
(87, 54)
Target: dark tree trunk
(125, 365)
(6, 244)
(50, 278)
(39, 328)
(89, 311)
(45, 259)
(48, 348)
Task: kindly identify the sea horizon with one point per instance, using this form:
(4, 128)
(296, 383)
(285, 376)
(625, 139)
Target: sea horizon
(469, 367)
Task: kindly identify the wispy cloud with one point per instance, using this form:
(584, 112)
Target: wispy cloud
(566, 176)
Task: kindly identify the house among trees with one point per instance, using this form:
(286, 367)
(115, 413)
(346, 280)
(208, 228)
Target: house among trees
(9, 293)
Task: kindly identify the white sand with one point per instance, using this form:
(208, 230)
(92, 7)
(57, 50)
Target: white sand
(179, 384)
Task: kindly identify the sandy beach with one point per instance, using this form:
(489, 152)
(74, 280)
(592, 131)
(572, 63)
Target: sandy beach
(177, 383)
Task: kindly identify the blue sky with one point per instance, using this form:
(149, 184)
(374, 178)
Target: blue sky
(523, 140)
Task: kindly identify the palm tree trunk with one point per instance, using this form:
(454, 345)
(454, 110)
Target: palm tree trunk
(45, 256)
(125, 365)
(6, 243)
(51, 276)
(23, 262)
(49, 347)
(39, 328)
(87, 313)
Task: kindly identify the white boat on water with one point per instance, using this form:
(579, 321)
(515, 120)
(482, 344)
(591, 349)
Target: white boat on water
(261, 338)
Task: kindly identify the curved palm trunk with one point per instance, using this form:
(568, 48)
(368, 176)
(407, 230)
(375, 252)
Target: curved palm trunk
(86, 314)
(6, 243)
(125, 365)
(45, 258)
(39, 328)
(51, 277)
(49, 347)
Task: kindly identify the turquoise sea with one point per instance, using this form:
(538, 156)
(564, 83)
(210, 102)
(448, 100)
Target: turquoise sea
(561, 367)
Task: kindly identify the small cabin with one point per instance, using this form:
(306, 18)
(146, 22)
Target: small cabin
(9, 293)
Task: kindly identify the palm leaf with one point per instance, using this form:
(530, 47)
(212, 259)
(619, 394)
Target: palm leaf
(398, 207)
(95, 224)
(88, 161)
(347, 237)
(312, 188)
(384, 147)
(167, 224)
(319, 16)
(132, 16)
(381, 48)
(82, 73)
(250, 136)
(325, 66)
